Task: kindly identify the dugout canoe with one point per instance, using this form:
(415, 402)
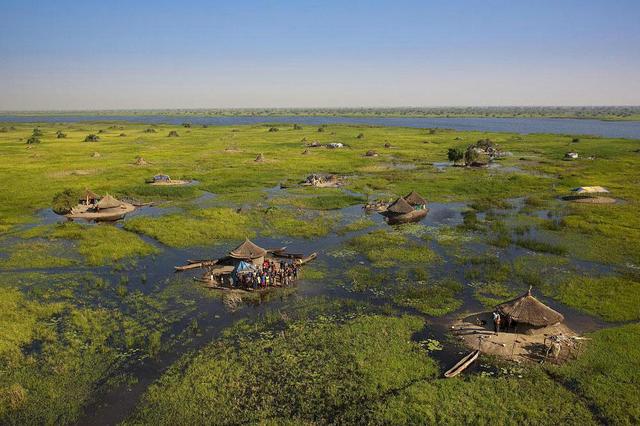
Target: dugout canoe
(462, 364)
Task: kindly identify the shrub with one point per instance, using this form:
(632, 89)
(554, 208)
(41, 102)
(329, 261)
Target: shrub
(273, 129)
(150, 130)
(33, 140)
(92, 138)
(186, 125)
(173, 134)
(60, 134)
(37, 132)
(64, 201)
(297, 127)
(471, 155)
(360, 136)
(455, 154)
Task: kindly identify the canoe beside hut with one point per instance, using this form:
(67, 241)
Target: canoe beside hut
(462, 365)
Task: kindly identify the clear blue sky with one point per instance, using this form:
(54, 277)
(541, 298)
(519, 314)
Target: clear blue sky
(164, 54)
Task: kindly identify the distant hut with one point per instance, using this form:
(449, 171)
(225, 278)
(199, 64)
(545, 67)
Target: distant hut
(586, 190)
(415, 199)
(249, 252)
(89, 197)
(108, 202)
(259, 158)
(530, 312)
(161, 178)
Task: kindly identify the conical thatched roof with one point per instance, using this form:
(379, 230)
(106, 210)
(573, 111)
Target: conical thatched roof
(415, 199)
(90, 194)
(108, 202)
(400, 206)
(247, 250)
(529, 310)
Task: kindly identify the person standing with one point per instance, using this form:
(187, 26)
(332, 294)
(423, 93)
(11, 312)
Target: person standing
(496, 322)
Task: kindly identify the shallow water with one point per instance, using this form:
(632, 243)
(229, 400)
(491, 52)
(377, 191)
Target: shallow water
(617, 129)
(118, 403)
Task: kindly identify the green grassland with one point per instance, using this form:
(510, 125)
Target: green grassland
(80, 303)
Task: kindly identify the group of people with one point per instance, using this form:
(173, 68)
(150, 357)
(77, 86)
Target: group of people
(268, 274)
(497, 321)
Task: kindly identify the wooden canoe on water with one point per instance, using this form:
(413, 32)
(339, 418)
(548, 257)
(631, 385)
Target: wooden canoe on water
(462, 364)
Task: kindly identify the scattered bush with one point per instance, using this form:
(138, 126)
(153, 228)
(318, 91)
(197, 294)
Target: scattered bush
(150, 130)
(33, 140)
(64, 201)
(360, 136)
(37, 132)
(173, 134)
(297, 127)
(455, 155)
(273, 129)
(92, 138)
(60, 134)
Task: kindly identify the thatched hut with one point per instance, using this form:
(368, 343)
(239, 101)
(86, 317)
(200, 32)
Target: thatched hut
(108, 202)
(529, 311)
(259, 158)
(414, 199)
(400, 211)
(89, 197)
(400, 206)
(248, 251)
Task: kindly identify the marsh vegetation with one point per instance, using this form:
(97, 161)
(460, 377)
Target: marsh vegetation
(94, 310)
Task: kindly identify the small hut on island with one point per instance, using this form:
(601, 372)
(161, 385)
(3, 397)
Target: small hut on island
(590, 195)
(528, 330)
(322, 180)
(94, 207)
(403, 211)
(165, 180)
(249, 267)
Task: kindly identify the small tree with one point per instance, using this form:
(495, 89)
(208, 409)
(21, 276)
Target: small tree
(186, 125)
(64, 201)
(297, 127)
(320, 129)
(92, 138)
(60, 134)
(575, 140)
(455, 155)
(360, 136)
(37, 132)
